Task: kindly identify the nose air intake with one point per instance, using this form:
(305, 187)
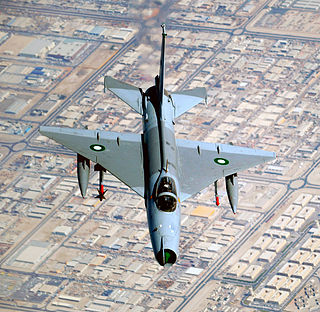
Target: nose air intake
(166, 256)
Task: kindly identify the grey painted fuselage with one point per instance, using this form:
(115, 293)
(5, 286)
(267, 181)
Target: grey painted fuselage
(160, 162)
(160, 158)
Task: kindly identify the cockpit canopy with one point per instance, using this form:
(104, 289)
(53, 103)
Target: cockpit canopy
(166, 195)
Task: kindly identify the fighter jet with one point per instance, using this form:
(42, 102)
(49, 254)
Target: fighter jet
(164, 170)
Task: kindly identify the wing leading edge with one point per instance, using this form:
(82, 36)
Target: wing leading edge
(119, 153)
(201, 163)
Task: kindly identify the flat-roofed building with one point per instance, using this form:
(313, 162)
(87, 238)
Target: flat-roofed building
(288, 269)
(264, 295)
(281, 222)
(277, 281)
(99, 305)
(237, 269)
(291, 284)
(250, 256)
(277, 233)
(303, 199)
(277, 245)
(267, 256)
(67, 50)
(194, 271)
(122, 33)
(300, 256)
(252, 272)
(279, 297)
(37, 48)
(143, 281)
(70, 298)
(31, 195)
(50, 289)
(262, 242)
(313, 260)
(79, 268)
(63, 305)
(306, 213)
(303, 271)
(292, 210)
(98, 260)
(32, 254)
(203, 211)
(316, 233)
(295, 224)
(312, 244)
(62, 230)
(17, 105)
(96, 31)
(134, 266)
(315, 199)
(214, 247)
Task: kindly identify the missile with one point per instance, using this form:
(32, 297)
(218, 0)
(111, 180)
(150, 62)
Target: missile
(101, 190)
(83, 171)
(216, 193)
(232, 191)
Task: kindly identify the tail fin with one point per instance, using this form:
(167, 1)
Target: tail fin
(185, 100)
(127, 93)
(162, 64)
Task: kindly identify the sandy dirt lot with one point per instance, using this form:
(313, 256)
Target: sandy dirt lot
(15, 44)
(97, 59)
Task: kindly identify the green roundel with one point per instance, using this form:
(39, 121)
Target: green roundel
(221, 161)
(97, 147)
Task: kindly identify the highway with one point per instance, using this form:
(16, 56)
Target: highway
(66, 11)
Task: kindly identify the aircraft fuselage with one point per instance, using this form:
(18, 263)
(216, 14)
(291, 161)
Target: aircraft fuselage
(161, 176)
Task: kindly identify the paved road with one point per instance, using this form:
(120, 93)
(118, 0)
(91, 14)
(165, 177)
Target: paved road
(66, 11)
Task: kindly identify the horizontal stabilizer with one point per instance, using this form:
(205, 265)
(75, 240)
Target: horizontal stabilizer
(186, 99)
(127, 93)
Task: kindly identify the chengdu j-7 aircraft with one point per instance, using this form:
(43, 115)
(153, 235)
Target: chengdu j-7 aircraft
(164, 170)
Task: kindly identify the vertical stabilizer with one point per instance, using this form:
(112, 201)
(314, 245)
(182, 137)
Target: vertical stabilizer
(162, 64)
